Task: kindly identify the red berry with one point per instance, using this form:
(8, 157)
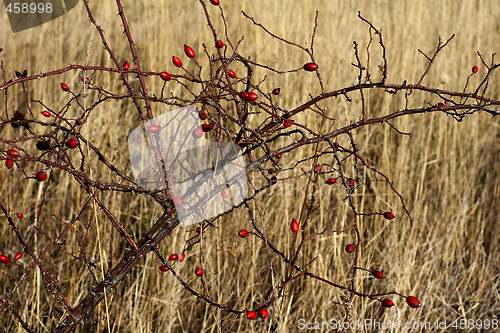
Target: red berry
(276, 91)
(224, 194)
(387, 303)
(79, 122)
(413, 302)
(46, 113)
(41, 175)
(9, 164)
(203, 115)
(351, 182)
(475, 69)
(207, 127)
(317, 168)
(310, 67)
(378, 274)
(177, 62)
(219, 44)
(279, 156)
(126, 65)
(72, 143)
(215, 2)
(198, 271)
(331, 181)
(18, 256)
(197, 133)
(252, 97)
(251, 315)
(222, 144)
(243, 95)
(173, 256)
(164, 268)
(13, 153)
(349, 248)
(189, 51)
(243, 233)
(287, 124)
(177, 201)
(64, 87)
(294, 225)
(181, 258)
(389, 215)
(85, 80)
(440, 105)
(263, 313)
(165, 76)
(231, 73)
(19, 215)
(270, 171)
(154, 128)
(4, 259)
(143, 181)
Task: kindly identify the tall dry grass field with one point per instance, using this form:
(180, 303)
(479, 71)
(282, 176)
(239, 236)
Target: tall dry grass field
(447, 171)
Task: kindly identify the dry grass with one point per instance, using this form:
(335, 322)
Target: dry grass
(447, 171)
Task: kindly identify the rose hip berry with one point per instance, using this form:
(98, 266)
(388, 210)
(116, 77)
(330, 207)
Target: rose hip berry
(207, 127)
(19, 215)
(4, 259)
(126, 65)
(349, 248)
(219, 44)
(243, 95)
(64, 87)
(177, 62)
(18, 256)
(331, 181)
(294, 225)
(317, 168)
(154, 128)
(9, 164)
(46, 113)
(215, 2)
(251, 315)
(279, 156)
(173, 256)
(276, 91)
(189, 51)
(41, 175)
(164, 268)
(165, 76)
(310, 67)
(243, 233)
(181, 258)
(231, 73)
(475, 69)
(287, 124)
(252, 96)
(351, 182)
(413, 302)
(177, 201)
(13, 153)
(198, 271)
(224, 194)
(197, 133)
(389, 215)
(387, 303)
(263, 313)
(203, 115)
(378, 274)
(72, 143)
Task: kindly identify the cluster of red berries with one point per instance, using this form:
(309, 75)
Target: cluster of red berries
(6, 259)
(262, 313)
